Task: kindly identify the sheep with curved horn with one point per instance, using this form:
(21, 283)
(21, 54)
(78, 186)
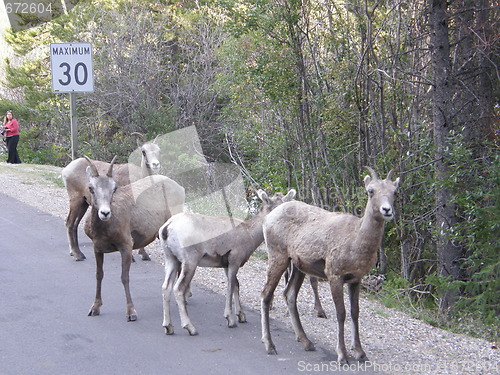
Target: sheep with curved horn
(76, 183)
(126, 218)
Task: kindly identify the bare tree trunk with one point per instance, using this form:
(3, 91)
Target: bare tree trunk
(486, 83)
(447, 253)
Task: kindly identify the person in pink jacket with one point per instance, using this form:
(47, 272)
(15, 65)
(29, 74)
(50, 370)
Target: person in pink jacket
(11, 132)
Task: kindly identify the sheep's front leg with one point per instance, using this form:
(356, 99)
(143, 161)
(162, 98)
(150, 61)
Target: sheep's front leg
(131, 314)
(180, 290)
(359, 353)
(99, 275)
(336, 286)
(291, 292)
(171, 271)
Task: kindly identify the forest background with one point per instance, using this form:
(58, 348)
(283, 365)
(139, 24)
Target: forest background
(304, 94)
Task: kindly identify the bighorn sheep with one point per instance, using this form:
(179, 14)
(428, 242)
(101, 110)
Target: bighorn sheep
(125, 218)
(192, 240)
(339, 247)
(76, 183)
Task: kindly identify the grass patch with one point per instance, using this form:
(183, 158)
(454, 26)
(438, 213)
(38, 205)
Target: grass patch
(30, 174)
(382, 313)
(259, 254)
(54, 178)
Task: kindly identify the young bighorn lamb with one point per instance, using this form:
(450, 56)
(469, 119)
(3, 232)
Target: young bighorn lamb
(76, 183)
(192, 240)
(339, 247)
(125, 218)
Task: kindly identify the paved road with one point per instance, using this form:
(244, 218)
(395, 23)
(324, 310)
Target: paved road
(44, 327)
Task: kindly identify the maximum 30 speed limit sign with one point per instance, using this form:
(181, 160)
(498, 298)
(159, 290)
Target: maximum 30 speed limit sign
(71, 67)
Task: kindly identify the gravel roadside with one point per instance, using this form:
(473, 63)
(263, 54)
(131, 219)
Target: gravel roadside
(395, 342)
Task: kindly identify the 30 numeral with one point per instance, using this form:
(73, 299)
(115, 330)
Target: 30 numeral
(80, 74)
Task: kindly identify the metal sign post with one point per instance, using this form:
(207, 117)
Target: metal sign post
(72, 72)
(73, 125)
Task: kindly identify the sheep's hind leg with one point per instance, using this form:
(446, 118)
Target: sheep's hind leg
(317, 301)
(76, 212)
(291, 292)
(171, 271)
(180, 289)
(232, 283)
(144, 255)
(237, 303)
(275, 270)
(99, 274)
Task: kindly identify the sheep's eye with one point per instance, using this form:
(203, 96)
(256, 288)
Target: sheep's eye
(91, 189)
(370, 192)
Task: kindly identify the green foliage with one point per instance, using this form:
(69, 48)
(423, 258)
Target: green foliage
(478, 200)
(35, 148)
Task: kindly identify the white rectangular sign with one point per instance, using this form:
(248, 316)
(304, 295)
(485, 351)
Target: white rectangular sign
(71, 67)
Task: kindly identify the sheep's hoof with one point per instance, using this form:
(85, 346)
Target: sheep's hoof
(322, 314)
(131, 318)
(169, 330)
(145, 257)
(78, 257)
(242, 317)
(272, 351)
(231, 323)
(342, 360)
(308, 345)
(361, 357)
(191, 329)
(93, 313)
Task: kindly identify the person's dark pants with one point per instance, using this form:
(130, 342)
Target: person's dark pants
(12, 148)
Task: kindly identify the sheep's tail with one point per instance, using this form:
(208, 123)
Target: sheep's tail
(163, 234)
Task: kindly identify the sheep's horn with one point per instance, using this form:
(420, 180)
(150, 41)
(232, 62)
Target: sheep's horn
(93, 168)
(156, 138)
(138, 135)
(389, 175)
(372, 172)
(140, 138)
(110, 170)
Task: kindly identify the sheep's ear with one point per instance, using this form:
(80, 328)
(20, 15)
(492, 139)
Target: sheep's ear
(396, 183)
(88, 170)
(262, 195)
(93, 169)
(290, 195)
(367, 180)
